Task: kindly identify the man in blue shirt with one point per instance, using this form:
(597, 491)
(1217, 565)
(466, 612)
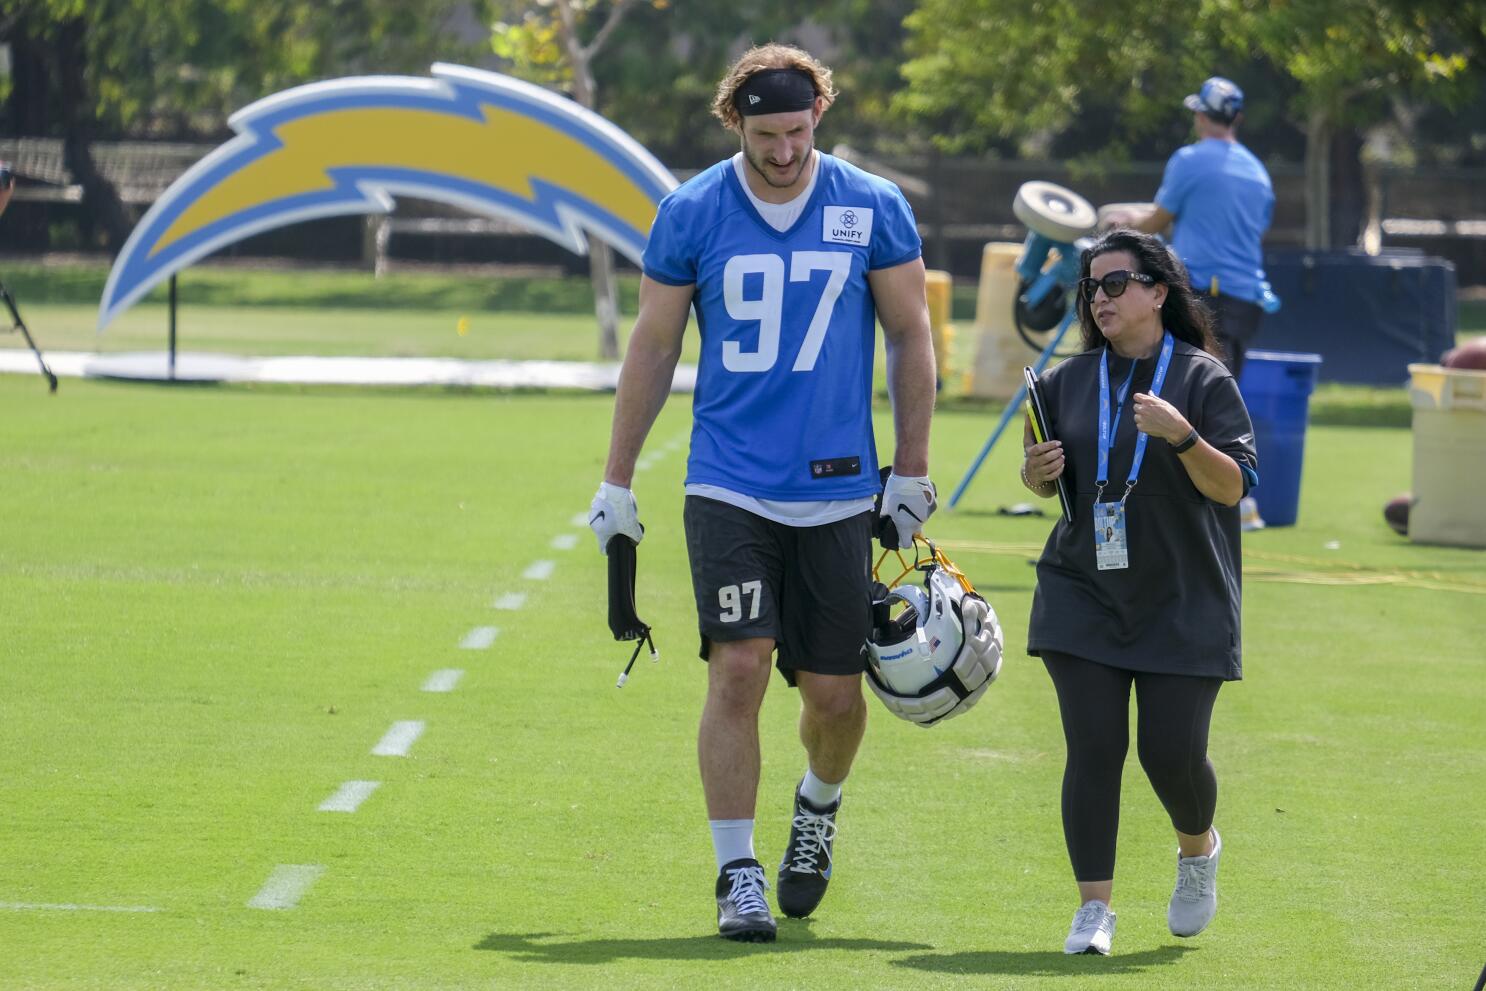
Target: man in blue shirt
(1221, 200)
(790, 257)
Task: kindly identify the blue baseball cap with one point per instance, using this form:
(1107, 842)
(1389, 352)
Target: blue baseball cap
(1219, 98)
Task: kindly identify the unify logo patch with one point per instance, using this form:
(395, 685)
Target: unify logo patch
(847, 225)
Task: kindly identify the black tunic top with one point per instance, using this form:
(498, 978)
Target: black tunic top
(1176, 609)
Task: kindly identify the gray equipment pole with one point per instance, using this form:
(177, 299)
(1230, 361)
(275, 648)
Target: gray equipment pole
(172, 328)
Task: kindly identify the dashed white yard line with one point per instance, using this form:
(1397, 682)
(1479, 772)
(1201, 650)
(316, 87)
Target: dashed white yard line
(443, 681)
(579, 519)
(564, 541)
(349, 796)
(286, 886)
(510, 601)
(399, 739)
(539, 571)
(480, 638)
(49, 907)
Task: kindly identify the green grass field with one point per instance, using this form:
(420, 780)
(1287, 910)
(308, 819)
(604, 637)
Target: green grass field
(238, 310)
(217, 600)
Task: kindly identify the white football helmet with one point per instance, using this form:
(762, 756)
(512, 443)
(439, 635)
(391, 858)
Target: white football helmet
(941, 652)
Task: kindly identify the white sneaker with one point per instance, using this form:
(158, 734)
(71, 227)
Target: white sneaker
(1093, 928)
(1195, 900)
(1248, 514)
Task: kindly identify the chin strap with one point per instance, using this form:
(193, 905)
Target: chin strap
(624, 622)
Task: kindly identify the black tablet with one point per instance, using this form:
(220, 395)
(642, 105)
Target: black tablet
(1042, 431)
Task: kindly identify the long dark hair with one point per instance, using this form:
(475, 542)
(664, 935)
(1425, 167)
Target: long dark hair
(1186, 316)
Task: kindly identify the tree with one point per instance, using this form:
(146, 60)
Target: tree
(1352, 59)
(652, 67)
(547, 46)
(96, 69)
(663, 71)
(998, 69)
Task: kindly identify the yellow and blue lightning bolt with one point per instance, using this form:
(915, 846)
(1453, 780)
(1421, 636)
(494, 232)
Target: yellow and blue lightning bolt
(478, 140)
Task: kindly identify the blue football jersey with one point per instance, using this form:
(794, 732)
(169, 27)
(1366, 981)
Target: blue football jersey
(1223, 201)
(783, 402)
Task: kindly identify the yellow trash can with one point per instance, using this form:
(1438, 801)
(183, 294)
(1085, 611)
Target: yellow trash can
(937, 286)
(1449, 456)
(999, 352)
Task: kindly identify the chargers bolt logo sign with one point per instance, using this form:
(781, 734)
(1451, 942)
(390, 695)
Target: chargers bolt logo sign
(478, 140)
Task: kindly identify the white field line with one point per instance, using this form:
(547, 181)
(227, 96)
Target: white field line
(510, 600)
(539, 571)
(564, 541)
(399, 739)
(443, 681)
(580, 519)
(47, 907)
(286, 886)
(349, 796)
(479, 638)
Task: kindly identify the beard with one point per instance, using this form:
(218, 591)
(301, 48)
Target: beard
(760, 165)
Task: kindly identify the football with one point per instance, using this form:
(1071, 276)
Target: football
(1396, 513)
(1471, 354)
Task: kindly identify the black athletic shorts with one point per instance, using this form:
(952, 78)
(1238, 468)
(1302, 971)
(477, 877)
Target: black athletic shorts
(1235, 324)
(806, 588)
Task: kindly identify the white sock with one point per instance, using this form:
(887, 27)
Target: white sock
(732, 839)
(818, 793)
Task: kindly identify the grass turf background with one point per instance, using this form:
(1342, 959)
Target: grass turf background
(257, 311)
(215, 601)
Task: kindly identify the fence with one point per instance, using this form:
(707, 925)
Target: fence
(960, 204)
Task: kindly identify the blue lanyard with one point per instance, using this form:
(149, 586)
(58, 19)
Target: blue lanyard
(1106, 429)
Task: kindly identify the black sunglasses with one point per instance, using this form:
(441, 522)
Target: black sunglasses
(1113, 283)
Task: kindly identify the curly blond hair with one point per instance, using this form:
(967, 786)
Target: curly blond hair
(757, 59)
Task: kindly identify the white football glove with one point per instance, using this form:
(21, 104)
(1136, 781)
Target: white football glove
(908, 503)
(613, 511)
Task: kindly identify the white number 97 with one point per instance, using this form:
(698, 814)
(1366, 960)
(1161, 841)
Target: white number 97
(768, 308)
(730, 598)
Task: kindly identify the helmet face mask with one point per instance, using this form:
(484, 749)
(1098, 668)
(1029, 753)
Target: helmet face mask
(937, 656)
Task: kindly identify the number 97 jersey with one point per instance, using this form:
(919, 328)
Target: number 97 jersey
(783, 403)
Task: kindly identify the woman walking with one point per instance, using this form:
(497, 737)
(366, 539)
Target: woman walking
(1142, 587)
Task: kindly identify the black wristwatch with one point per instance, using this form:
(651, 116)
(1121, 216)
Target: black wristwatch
(1185, 444)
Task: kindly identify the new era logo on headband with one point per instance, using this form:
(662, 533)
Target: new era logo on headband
(775, 91)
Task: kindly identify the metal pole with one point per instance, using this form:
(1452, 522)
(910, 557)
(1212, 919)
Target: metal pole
(15, 314)
(172, 328)
(1012, 409)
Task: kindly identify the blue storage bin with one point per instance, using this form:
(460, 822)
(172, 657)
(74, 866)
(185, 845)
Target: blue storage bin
(1277, 387)
(1369, 316)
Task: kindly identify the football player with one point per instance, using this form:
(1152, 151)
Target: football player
(791, 257)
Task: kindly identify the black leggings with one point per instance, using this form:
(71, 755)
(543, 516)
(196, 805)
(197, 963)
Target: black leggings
(1173, 714)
